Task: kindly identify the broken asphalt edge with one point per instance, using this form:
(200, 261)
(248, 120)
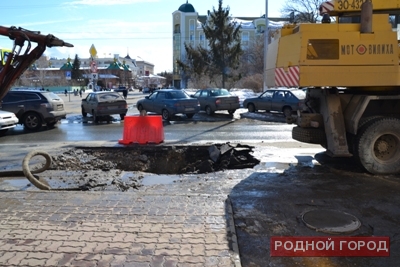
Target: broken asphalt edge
(232, 229)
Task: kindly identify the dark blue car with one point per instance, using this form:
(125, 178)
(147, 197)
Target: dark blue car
(168, 102)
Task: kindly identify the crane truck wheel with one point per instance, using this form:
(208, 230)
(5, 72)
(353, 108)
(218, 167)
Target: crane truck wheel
(309, 135)
(377, 146)
(351, 137)
(363, 121)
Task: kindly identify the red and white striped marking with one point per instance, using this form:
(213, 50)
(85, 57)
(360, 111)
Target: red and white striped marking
(288, 78)
(326, 7)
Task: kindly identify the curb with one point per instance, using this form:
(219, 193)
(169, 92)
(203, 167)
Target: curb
(231, 228)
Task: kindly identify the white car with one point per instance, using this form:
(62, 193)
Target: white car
(8, 120)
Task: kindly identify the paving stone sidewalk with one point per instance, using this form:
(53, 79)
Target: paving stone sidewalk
(137, 229)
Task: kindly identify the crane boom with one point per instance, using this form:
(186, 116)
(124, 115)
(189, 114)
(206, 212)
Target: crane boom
(19, 60)
(349, 7)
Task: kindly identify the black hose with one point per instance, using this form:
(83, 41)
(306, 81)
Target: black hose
(29, 174)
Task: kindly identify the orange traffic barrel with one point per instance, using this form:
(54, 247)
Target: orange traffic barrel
(142, 130)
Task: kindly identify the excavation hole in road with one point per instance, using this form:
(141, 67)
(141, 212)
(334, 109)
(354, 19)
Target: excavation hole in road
(176, 159)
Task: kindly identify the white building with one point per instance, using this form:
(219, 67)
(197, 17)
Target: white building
(187, 28)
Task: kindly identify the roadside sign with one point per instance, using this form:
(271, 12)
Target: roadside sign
(93, 67)
(94, 76)
(93, 51)
(68, 75)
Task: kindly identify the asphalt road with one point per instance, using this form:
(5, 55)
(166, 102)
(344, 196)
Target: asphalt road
(221, 127)
(188, 131)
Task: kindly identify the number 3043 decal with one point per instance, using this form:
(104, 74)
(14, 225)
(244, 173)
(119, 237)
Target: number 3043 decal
(350, 4)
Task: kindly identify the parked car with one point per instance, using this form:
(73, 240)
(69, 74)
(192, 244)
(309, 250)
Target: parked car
(281, 100)
(8, 120)
(34, 108)
(214, 99)
(120, 89)
(104, 103)
(169, 102)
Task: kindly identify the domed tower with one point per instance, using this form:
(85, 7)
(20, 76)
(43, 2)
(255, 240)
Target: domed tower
(184, 27)
(187, 8)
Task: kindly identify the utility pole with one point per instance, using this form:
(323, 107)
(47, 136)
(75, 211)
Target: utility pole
(266, 38)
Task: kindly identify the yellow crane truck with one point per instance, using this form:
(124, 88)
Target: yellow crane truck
(349, 64)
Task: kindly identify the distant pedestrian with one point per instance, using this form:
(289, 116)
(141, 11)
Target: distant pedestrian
(66, 92)
(80, 93)
(125, 93)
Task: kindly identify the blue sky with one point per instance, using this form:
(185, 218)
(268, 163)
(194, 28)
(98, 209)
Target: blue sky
(142, 27)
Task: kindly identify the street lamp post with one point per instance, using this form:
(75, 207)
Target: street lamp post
(266, 38)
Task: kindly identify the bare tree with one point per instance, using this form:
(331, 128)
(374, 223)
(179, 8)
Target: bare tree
(252, 60)
(251, 66)
(41, 73)
(254, 82)
(223, 55)
(302, 10)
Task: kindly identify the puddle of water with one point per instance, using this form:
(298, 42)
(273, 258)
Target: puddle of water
(23, 184)
(159, 179)
(16, 184)
(277, 167)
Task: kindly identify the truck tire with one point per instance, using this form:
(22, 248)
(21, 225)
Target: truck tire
(309, 135)
(365, 120)
(351, 138)
(377, 146)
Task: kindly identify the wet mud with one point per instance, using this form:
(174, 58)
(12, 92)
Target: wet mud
(272, 204)
(124, 168)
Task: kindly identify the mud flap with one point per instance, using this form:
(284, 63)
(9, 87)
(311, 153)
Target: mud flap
(331, 110)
